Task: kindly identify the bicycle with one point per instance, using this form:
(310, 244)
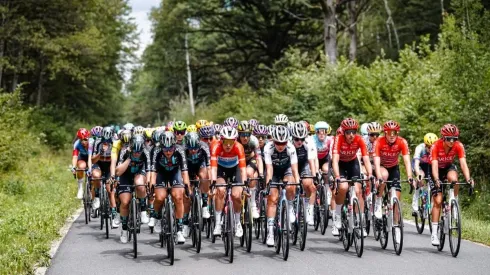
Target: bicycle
(227, 232)
(351, 230)
(281, 221)
(368, 207)
(261, 223)
(87, 196)
(322, 209)
(134, 220)
(247, 219)
(300, 226)
(391, 206)
(105, 211)
(450, 218)
(169, 226)
(424, 211)
(195, 215)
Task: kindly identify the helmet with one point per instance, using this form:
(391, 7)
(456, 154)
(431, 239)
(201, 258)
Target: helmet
(167, 139)
(96, 131)
(192, 140)
(149, 133)
(449, 130)
(340, 131)
(281, 119)
(83, 133)
(156, 135)
(391, 125)
(125, 136)
(349, 124)
(138, 130)
(311, 128)
(191, 128)
(210, 123)
(322, 125)
(364, 129)
(299, 130)
(244, 126)
(271, 128)
(138, 143)
(228, 132)
(290, 125)
(206, 132)
(260, 130)
(107, 133)
(374, 127)
(128, 126)
(201, 123)
(280, 134)
(170, 125)
(179, 126)
(231, 121)
(217, 128)
(253, 122)
(430, 138)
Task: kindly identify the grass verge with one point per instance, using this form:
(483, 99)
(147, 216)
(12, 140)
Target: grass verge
(34, 204)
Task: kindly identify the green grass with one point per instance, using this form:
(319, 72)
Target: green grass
(34, 204)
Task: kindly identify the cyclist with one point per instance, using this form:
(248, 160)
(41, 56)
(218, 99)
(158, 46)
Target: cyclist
(228, 161)
(155, 137)
(421, 164)
(282, 165)
(101, 159)
(231, 121)
(345, 164)
(80, 157)
(169, 164)
(131, 169)
(374, 129)
(180, 128)
(281, 119)
(207, 133)
(364, 130)
(254, 123)
(442, 154)
(253, 156)
(199, 162)
(201, 123)
(217, 130)
(306, 155)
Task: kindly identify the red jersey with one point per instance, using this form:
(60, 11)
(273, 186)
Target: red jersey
(388, 153)
(227, 159)
(346, 151)
(438, 153)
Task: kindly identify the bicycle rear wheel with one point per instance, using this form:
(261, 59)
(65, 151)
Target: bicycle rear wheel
(367, 219)
(419, 216)
(316, 211)
(454, 228)
(397, 226)
(248, 225)
(346, 236)
(357, 233)
(285, 231)
(302, 224)
(134, 225)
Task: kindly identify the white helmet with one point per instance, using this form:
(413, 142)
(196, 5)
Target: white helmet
(364, 129)
(228, 132)
(167, 140)
(299, 130)
(281, 119)
(280, 134)
(138, 130)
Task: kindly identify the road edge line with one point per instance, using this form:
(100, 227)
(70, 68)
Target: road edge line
(41, 270)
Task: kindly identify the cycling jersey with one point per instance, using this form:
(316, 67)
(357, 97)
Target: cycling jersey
(177, 161)
(202, 158)
(304, 153)
(348, 151)
(104, 154)
(138, 165)
(251, 149)
(323, 147)
(278, 159)
(446, 159)
(227, 159)
(81, 151)
(388, 153)
(369, 145)
(421, 153)
(116, 148)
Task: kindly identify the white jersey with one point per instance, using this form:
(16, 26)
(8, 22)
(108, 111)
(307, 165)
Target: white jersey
(282, 159)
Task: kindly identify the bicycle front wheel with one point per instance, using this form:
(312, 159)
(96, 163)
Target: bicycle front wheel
(357, 232)
(134, 225)
(229, 230)
(323, 210)
(383, 234)
(397, 227)
(285, 231)
(196, 223)
(248, 225)
(454, 228)
(169, 233)
(302, 226)
(419, 215)
(102, 208)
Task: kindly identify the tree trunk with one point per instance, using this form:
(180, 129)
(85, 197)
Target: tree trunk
(329, 30)
(15, 78)
(352, 30)
(189, 75)
(2, 48)
(40, 82)
(390, 21)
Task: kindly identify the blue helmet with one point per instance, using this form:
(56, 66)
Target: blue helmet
(322, 125)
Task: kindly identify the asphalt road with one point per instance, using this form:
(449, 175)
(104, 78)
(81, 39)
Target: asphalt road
(86, 251)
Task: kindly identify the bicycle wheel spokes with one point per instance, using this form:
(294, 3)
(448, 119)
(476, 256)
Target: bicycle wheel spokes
(357, 227)
(454, 228)
(285, 231)
(397, 227)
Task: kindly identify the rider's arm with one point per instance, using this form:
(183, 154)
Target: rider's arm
(122, 167)
(294, 162)
(462, 161)
(116, 146)
(268, 163)
(435, 169)
(214, 161)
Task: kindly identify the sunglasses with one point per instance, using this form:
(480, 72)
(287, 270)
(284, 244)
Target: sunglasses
(321, 131)
(193, 148)
(182, 132)
(261, 137)
(299, 139)
(228, 141)
(168, 149)
(391, 133)
(374, 135)
(244, 134)
(350, 132)
(451, 139)
(280, 143)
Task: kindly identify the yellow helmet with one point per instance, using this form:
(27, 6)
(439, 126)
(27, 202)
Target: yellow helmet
(430, 138)
(200, 123)
(191, 128)
(210, 123)
(149, 132)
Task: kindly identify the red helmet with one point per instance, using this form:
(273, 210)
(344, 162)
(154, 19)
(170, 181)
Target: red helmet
(83, 133)
(449, 130)
(349, 124)
(340, 131)
(391, 125)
